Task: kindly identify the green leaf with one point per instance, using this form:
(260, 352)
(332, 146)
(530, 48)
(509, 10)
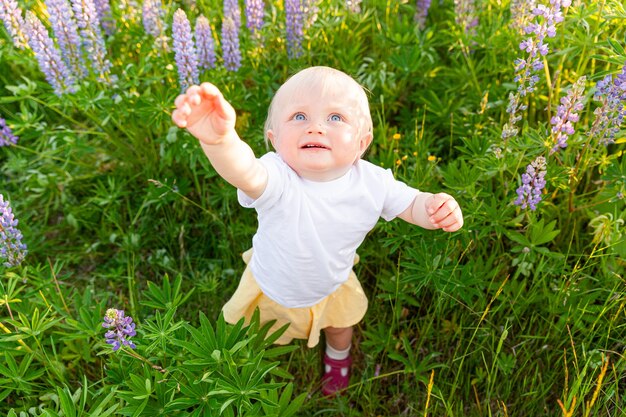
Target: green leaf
(67, 404)
(517, 238)
(540, 234)
(617, 48)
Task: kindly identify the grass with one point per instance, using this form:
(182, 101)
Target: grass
(521, 313)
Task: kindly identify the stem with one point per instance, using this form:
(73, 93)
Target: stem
(20, 341)
(54, 109)
(56, 283)
(187, 199)
(135, 355)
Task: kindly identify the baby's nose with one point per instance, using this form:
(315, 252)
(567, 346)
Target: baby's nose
(316, 128)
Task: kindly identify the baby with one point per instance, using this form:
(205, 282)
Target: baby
(316, 200)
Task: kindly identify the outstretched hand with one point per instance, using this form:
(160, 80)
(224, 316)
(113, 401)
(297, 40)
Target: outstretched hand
(204, 111)
(444, 212)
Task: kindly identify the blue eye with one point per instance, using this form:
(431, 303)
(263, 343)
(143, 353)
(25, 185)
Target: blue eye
(335, 117)
(299, 116)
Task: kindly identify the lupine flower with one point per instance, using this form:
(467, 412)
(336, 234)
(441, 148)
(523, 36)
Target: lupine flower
(93, 41)
(421, 13)
(522, 14)
(48, 57)
(230, 36)
(205, 44)
(11, 15)
(231, 9)
(610, 115)
(103, 9)
(121, 329)
(465, 11)
(567, 114)
(184, 50)
(354, 5)
(255, 12)
(533, 183)
(7, 138)
(543, 26)
(294, 16)
(153, 15)
(11, 247)
(66, 32)
(527, 68)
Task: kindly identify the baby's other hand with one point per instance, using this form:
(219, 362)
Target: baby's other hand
(444, 212)
(204, 111)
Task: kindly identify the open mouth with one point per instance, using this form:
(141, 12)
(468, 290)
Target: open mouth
(314, 146)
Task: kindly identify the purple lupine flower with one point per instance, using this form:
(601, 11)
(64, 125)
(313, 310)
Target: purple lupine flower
(231, 9)
(543, 26)
(533, 183)
(205, 44)
(11, 247)
(354, 6)
(567, 114)
(421, 13)
(255, 12)
(184, 50)
(11, 15)
(230, 36)
(522, 14)
(294, 16)
(48, 57)
(465, 12)
(7, 138)
(153, 16)
(121, 328)
(93, 41)
(103, 9)
(611, 93)
(527, 68)
(66, 32)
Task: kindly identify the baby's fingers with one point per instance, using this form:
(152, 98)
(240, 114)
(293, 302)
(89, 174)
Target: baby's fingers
(440, 205)
(213, 95)
(444, 212)
(179, 117)
(452, 222)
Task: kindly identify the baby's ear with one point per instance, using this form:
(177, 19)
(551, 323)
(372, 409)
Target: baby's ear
(365, 142)
(270, 136)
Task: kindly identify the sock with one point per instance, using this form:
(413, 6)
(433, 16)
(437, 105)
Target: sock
(337, 355)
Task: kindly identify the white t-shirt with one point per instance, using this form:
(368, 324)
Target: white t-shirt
(309, 231)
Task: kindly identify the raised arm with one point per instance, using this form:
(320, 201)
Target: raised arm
(434, 211)
(207, 115)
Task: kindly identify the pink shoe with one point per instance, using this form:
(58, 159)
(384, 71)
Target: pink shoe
(336, 375)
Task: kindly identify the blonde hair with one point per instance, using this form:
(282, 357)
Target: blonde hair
(322, 79)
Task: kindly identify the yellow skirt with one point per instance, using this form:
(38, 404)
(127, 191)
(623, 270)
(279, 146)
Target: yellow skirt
(343, 308)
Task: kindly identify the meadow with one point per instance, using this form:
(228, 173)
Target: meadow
(515, 108)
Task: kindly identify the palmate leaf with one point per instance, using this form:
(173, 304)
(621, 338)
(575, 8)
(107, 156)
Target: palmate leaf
(19, 377)
(261, 340)
(168, 296)
(161, 330)
(541, 233)
(204, 338)
(194, 396)
(37, 324)
(285, 405)
(241, 385)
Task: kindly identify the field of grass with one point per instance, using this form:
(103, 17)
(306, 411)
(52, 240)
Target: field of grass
(513, 107)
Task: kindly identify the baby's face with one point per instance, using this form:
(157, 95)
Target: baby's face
(319, 134)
